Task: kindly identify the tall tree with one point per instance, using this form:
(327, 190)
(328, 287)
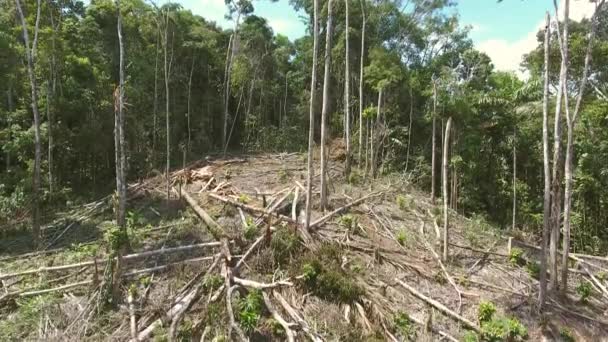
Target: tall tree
(167, 69)
(311, 118)
(30, 55)
(558, 158)
(542, 293)
(444, 177)
(119, 129)
(434, 142)
(571, 119)
(347, 93)
(325, 109)
(362, 56)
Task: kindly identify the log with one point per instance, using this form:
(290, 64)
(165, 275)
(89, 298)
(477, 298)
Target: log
(323, 219)
(251, 208)
(286, 326)
(215, 229)
(296, 317)
(439, 306)
(260, 286)
(595, 281)
(102, 261)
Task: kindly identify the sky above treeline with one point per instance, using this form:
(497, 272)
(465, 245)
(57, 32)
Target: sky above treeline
(505, 31)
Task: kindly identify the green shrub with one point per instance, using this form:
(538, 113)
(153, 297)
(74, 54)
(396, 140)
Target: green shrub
(213, 282)
(485, 311)
(503, 329)
(436, 211)
(583, 289)
(349, 222)
(250, 310)
(251, 229)
(601, 275)
(533, 269)
(402, 237)
(243, 199)
(354, 177)
(284, 244)
(403, 202)
(566, 335)
(516, 257)
(403, 324)
(470, 336)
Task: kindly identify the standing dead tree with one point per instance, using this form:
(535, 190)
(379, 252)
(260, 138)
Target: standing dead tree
(434, 142)
(361, 86)
(311, 122)
(30, 55)
(347, 95)
(325, 109)
(445, 166)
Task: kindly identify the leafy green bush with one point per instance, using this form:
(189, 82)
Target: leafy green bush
(470, 336)
(533, 269)
(566, 335)
(349, 222)
(583, 289)
(251, 230)
(485, 311)
(403, 324)
(284, 244)
(250, 310)
(503, 329)
(516, 257)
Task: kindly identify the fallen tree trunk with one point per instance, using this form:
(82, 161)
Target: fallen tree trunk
(439, 306)
(342, 209)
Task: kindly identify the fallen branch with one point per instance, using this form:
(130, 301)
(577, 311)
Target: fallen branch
(595, 281)
(484, 257)
(260, 286)
(286, 326)
(103, 261)
(439, 306)
(250, 208)
(323, 219)
(296, 317)
(132, 318)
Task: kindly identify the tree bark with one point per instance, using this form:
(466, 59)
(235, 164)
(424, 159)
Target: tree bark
(372, 146)
(189, 97)
(514, 178)
(325, 109)
(409, 130)
(361, 86)
(167, 70)
(569, 168)
(155, 107)
(311, 120)
(347, 95)
(446, 147)
(558, 158)
(434, 143)
(31, 64)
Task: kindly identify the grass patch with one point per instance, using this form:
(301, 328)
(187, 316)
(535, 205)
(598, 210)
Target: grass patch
(403, 325)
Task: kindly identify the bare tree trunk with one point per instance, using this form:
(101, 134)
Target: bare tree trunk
(31, 64)
(347, 95)
(155, 108)
(514, 178)
(434, 143)
(167, 69)
(409, 130)
(285, 100)
(361, 88)
(189, 97)
(569, 167)
(446, 147)
(542, 294)
(558, 158)
(367, 132)
(50, 95)
(311, 120)
(325, 109)
(232, 53)
(373, 146)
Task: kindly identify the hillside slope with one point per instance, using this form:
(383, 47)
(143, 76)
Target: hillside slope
(368, 272)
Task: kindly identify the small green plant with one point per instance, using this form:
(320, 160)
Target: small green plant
(403, 324)
(485, 311)
(309, 272)
(135, 219)
(213, 282)
(436, 211)
(115, 238)
(403, 202)
(533, 269)
(503, 329)
(516, 257)
(470, 336)
(583, 289)
(243, 198)
(566, 335)
(284, 244)
(251, 229)
(601, 275)
(349, 222)
(250, 310)
(402, 237)
(275, 327)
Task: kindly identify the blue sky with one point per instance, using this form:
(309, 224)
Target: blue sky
(505, 31)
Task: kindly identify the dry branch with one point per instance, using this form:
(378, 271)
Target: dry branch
(251, 208)
(439, 306)
(260, 286)
(286, 326)
(132, 318)
(296, 317)
(341, 209)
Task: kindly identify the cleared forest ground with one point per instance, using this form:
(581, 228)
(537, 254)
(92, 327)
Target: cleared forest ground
(232, 233)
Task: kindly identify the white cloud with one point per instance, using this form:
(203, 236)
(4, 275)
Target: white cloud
(280, 25)
(508, 55)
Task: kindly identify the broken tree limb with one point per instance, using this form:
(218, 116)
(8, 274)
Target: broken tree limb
(595, 281)
(251, 208)
(182, 304)
(251, 249)
(286, 326)
(102, 261)
(260, 286)
(439, 306)
(296, 317)
(324, 219)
